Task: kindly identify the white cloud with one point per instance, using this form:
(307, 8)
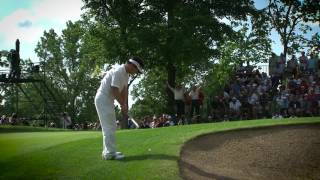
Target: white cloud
(42, 16)
(9, 27)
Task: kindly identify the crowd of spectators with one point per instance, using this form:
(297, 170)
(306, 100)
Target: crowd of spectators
(15, 120)
(87, 126)
(291, 90)
(188, 104)
(155, 122)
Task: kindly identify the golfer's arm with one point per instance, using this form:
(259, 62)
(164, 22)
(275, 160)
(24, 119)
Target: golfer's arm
(117, 95)
(124, 94)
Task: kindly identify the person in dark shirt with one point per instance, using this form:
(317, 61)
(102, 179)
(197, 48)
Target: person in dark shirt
(294, 106)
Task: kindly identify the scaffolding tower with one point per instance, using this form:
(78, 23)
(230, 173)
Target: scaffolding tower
(52, 106)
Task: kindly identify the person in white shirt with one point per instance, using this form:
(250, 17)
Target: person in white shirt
(195, 103)
(179, 93)
(114, 86)
(234, 106)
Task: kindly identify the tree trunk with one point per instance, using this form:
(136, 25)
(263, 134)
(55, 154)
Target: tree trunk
(285, 49)
(171, 80)
(123, 56)
(170, 66)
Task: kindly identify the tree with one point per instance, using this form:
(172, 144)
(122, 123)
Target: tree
(70, 65)
(170, 34)
(311, 11)
(287, 16)
(314, 43)
(150, 100)
(4, 54)
(253, 42)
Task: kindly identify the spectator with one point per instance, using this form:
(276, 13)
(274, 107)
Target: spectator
(303, 59)
(305, 105)
(66, 120)
(217, 108)
(13, 120)
(52, 125)
(265, 105)
(312, 64)
(195, 103)
(178, 92)
(312, 102)
(2, 119)
(294, 106)
(235, 88)
(235, 108)
(201, 97)
(292, 66)
(317, 90)
(253, 101)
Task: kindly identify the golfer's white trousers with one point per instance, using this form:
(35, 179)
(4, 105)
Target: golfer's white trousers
(107, 117)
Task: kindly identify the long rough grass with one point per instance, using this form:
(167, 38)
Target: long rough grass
(150, 153)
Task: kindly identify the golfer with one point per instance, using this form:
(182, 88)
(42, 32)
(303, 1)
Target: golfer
(114, 86)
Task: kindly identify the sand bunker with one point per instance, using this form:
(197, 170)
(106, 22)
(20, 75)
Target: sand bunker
(278, 152)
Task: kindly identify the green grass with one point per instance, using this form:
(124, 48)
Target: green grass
(10, 128)
(150, 153)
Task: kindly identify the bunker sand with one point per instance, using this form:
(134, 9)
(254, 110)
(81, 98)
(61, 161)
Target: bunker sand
(278, 152)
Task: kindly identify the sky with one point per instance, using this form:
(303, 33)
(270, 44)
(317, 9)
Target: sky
(26, 20)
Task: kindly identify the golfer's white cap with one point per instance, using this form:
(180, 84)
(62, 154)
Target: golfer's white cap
(137, 64)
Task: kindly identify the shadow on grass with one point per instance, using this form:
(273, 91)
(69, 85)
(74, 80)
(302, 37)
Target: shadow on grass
(52, 162)
(200, 172)
(151, 157)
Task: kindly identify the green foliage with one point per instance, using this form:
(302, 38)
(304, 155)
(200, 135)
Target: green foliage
(70, 61)
(286, 18)
(254, 44)
(3, 58)
(314, 44)
(220, 73)
(16, 101)
(175, 35)
(311, 11)
(151, 99)
(185, 42)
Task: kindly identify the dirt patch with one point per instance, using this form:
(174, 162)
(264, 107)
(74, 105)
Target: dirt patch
(278, 152)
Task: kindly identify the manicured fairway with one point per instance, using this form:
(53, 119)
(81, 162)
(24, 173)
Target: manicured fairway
(150, 153)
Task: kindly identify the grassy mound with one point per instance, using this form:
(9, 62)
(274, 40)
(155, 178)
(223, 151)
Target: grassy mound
(150, 153)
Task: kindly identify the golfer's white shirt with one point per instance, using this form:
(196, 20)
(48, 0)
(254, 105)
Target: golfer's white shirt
(117, 77)
(104, 102)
